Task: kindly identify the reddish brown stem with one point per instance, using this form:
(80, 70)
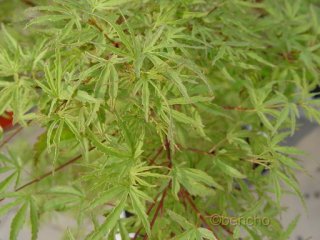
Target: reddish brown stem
(229, 231)
(167, 145)
(244, 109)
(159, 207)
(29, 3)
(62, 166)
(164, 192)
(159, 151)
(196, 210)
(94, 23)
(148, 212)
(155, 199)
(40, 178)
(238, 108)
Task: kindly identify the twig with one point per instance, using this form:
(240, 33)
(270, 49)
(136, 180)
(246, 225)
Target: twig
(238, 108)
(247, 109)
(229, 231)
(169, 159)
(160, 206)
(10, 137)
(164, 192)
(38, 179)
(194, 207)
(196, 210)
(148, 212)
(49, 173)
(159, 151)
(94, 23)
(29, 3)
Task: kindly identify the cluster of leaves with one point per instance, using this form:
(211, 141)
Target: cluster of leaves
(170, 110)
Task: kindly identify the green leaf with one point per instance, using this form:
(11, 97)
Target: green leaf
(206, 234)
(194, 180)
(123, 231)
(175, 187)
(139, 210)
(292, 184)
(200, 176)
(47, 18)
(282, 118)
(174, 77)
(227, 169)
(110, 222)
(63, 190)
(18, 222)
(289, 150)
(85, 97)
(276, 186)
(256, 57)
(12, 42)
(183, 118)
(289, 162)
(104, 148)
(109, 195)
(151, 41)
(146, 99)
(182, 221)
(194, 99)
(34, 219)
(5, 183)
(107, 4)
(124, 39)
(61, 203)
(190, 234)
(4, 209)
(70, 235)
(266, 121)
(114, 82)
(286, 234)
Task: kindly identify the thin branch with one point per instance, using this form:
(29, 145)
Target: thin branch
(196, 210)
(148, 212)
(50, 173)
(62, 166)
(160, 206)
(10, 137)
(93, 22)
(164, 192)
(47, 174)
(246, 109)
(238, 108)
(29, 3)
(169, 159)
(159, 151)
(229, 231)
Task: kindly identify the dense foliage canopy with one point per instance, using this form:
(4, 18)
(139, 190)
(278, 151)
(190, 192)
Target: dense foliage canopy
(171, 110)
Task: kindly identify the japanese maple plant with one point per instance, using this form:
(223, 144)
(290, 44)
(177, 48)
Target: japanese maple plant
(156, 115)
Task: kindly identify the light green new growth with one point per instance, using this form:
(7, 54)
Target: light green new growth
(171, 110)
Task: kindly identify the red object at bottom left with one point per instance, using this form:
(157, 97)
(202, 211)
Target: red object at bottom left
(6, 120)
